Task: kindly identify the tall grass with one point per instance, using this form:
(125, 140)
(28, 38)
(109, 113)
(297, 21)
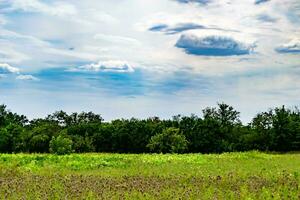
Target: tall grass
(250, 175)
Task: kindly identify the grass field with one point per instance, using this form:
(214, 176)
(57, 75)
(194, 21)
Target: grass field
(250, 175)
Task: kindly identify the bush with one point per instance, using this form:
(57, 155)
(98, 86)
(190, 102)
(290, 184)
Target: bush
(169, 141)
(60, 145)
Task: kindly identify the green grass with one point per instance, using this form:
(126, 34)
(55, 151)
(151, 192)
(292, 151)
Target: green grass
(250, 175)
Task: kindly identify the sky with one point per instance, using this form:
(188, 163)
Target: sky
(143, 58)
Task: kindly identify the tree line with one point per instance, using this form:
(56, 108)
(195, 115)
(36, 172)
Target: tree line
(218, 130)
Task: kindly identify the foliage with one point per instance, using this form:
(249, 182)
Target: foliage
(219, 130)
(5, 140)
(169, 141)
(60, 145)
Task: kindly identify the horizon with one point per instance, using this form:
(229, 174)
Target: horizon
(132, 58)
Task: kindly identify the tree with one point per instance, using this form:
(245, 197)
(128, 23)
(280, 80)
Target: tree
(219, 130)
(169, 141)
(226, 119)
(60, 145)
(285, 129)
(82, 136)
(64, 119)
(5, 141)
(61, 117)
(262, 127)
(226, 115)
(206, 136)
(7, 117)
(103, 138)
(295, 128)
(40, 133)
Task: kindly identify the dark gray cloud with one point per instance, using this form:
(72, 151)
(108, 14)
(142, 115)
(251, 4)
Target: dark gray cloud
(178, 28)
(260, 1)
(181, 27)
(203, 2)
(159, 27)
(212, 46)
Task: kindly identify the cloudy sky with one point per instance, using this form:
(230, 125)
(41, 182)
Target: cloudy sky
(141, 58)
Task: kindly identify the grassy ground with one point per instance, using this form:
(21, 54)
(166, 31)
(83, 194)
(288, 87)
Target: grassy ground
(250, 175)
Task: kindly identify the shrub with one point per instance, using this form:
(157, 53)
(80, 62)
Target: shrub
(60, 145)
(169, 141)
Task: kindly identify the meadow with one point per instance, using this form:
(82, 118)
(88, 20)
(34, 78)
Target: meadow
(249, 175)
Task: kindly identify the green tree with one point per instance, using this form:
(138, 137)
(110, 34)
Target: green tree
(82, 136)
(285, 131)
(7, 117)
(169, 141)
(5, 141)
(63, 119)
(226, 119)
(103, 138)
(60, 145)
(41, 132)
(262, 128)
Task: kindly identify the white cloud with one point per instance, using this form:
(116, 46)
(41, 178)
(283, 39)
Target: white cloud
(7, 69)
(108, 66)
(47, 34)
(117, 39)
(110, 30)
(106, 30)
(56, 9)
(27, 78)
(291, 47)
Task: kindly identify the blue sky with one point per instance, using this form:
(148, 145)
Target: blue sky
(133, 58)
